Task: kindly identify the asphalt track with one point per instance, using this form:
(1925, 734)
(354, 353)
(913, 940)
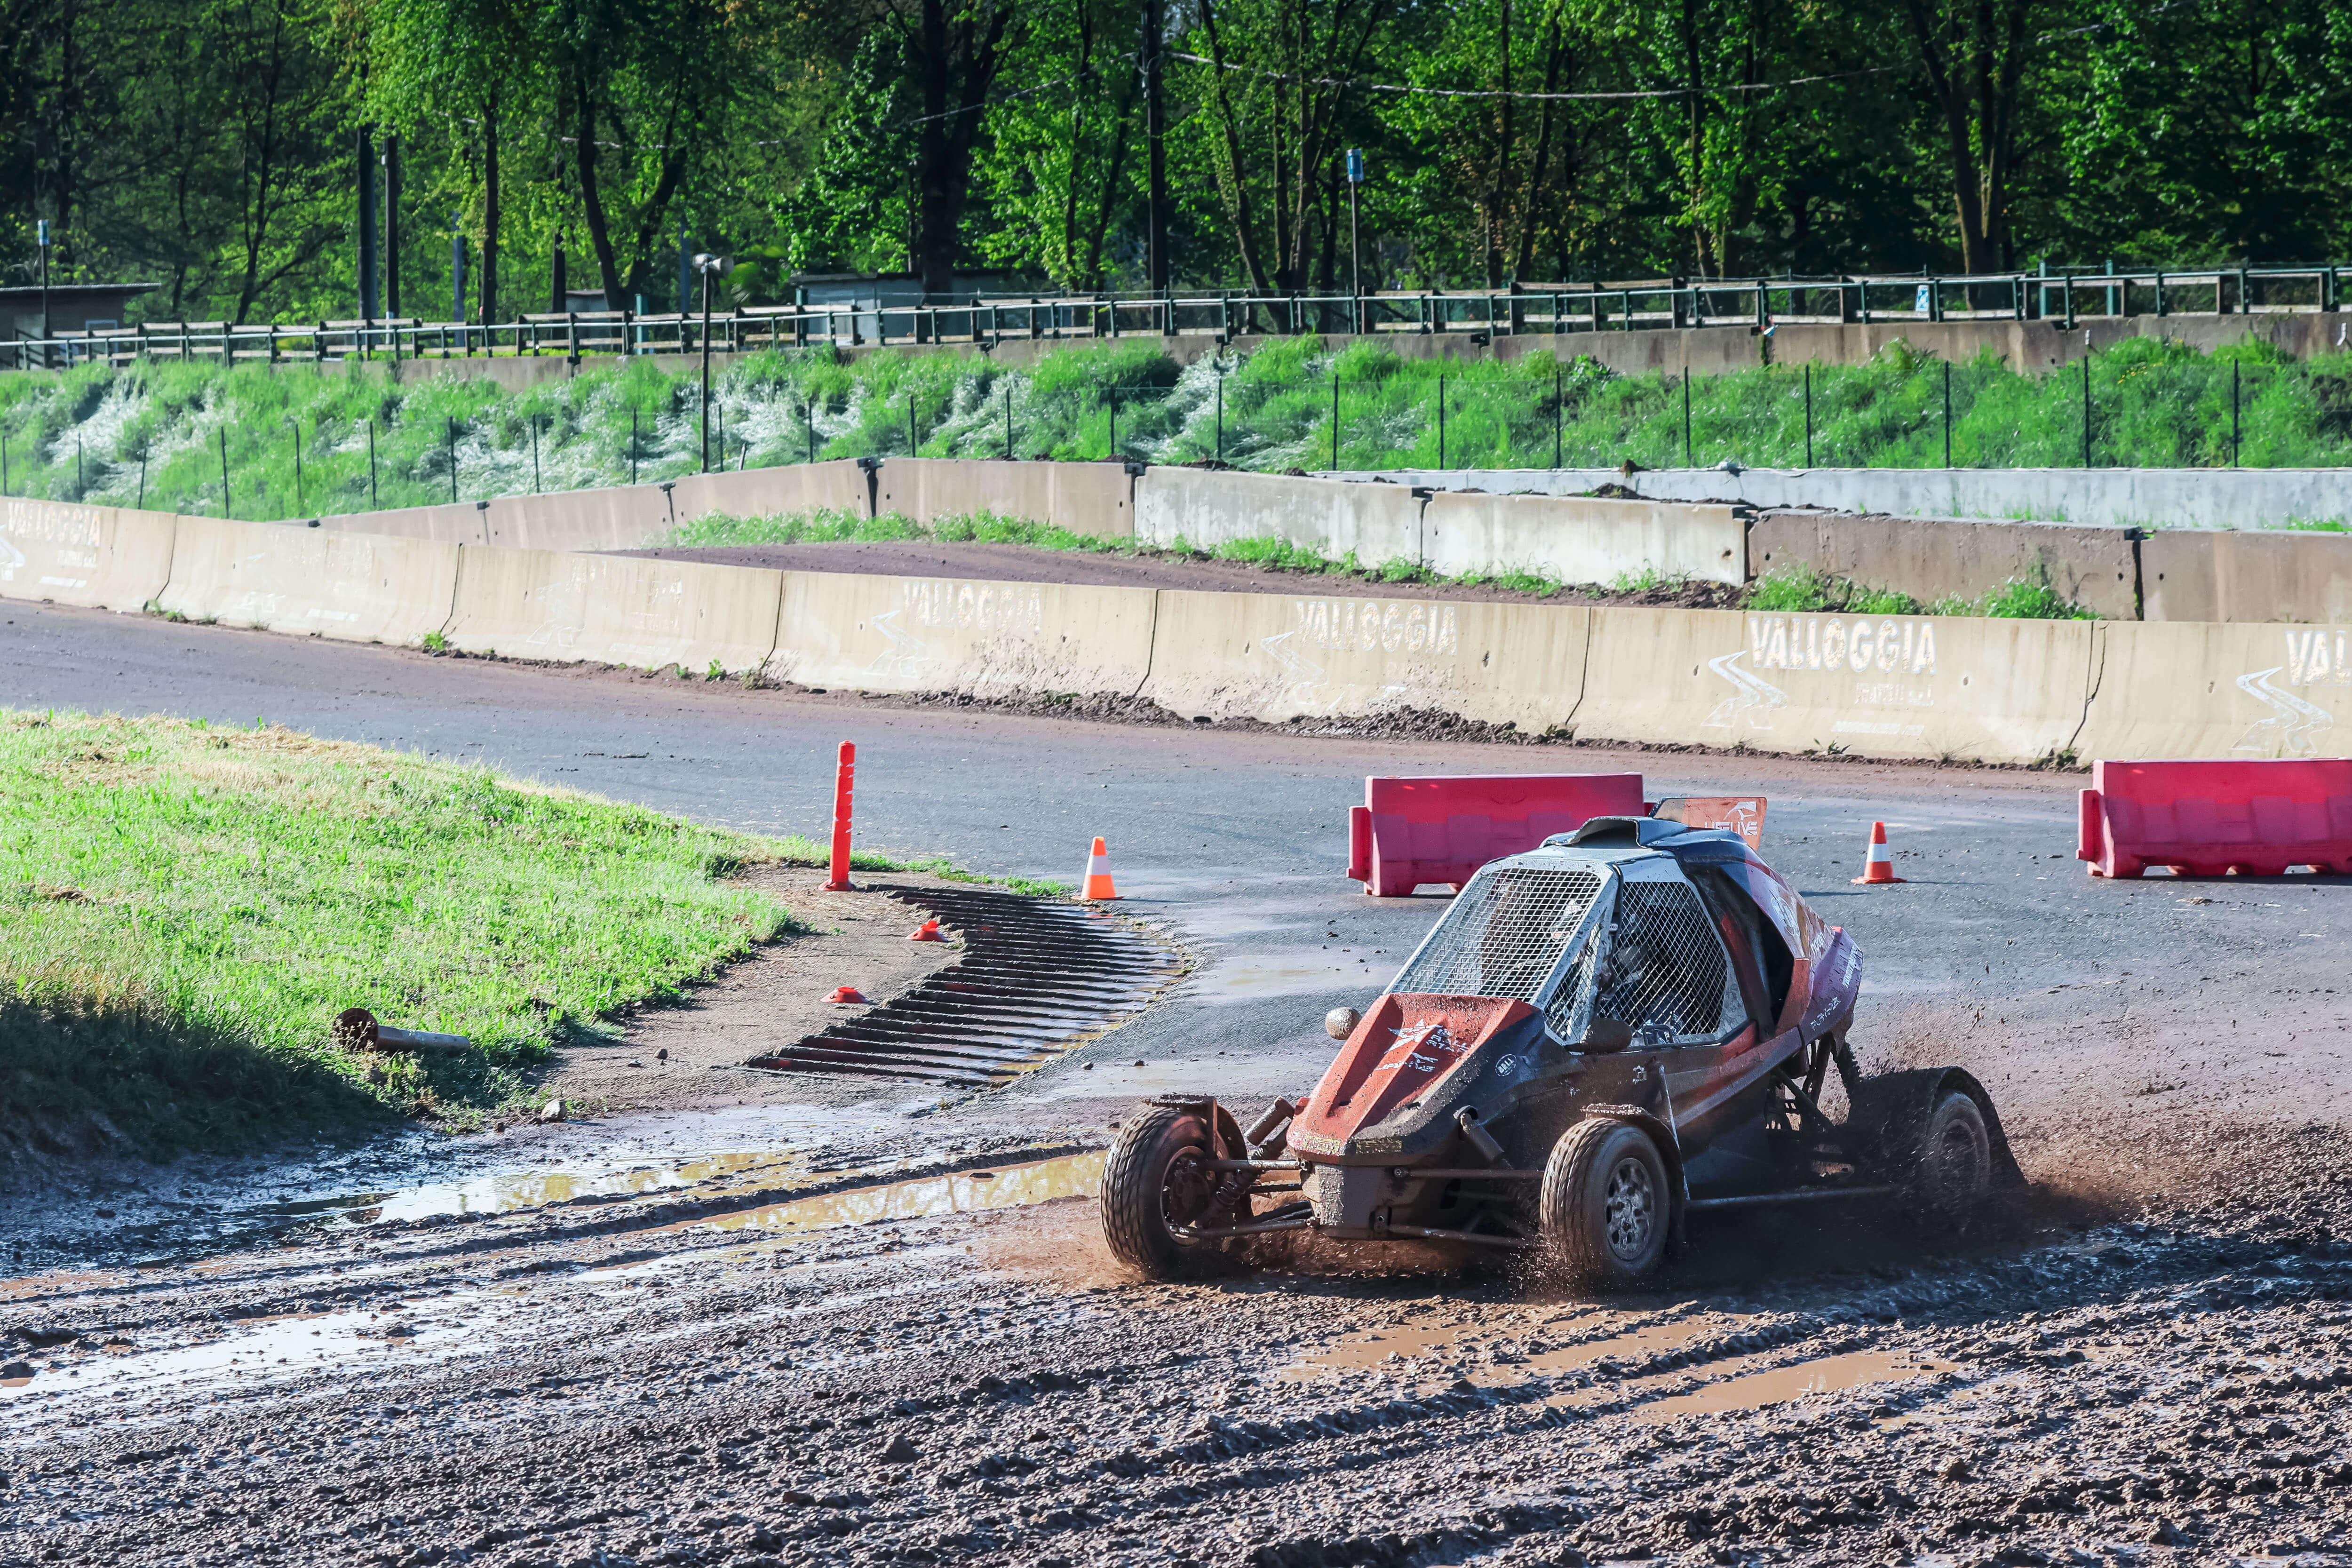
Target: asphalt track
(2069, 997)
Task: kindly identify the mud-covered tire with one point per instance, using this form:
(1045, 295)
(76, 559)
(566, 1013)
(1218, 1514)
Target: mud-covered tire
(1147, 1192)
(1605, 1208)
(1954, 1173)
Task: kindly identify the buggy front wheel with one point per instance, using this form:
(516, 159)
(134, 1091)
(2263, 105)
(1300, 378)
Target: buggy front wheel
(1604, 1207)
(1156, 1183)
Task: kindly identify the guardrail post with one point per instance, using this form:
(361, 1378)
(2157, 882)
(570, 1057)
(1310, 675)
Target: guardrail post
(2242, 301)
(1935, 299)
(2159, 294)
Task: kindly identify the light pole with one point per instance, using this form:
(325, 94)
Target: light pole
(41, 240)
(1355, 250)
(710, 266)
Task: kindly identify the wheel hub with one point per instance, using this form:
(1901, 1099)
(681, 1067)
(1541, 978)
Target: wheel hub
(1630, 1206)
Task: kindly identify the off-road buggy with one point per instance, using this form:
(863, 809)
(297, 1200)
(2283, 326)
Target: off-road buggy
(1629, 1025)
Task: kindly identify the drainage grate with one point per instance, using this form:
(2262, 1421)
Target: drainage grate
(1036, 977)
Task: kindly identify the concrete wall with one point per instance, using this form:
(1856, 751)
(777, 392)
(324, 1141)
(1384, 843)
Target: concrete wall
(105, 558)
(2283, 577)
(1582, 541)
(2114, 498)
(1890, 686)
(1199, 507)
(1936, 558)
(1887, 685)
(2183, 689)
(354, 587)
(983, 640)
(1096, 499)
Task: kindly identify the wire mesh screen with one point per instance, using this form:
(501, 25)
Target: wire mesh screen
(1665, 972)
(1504, 933)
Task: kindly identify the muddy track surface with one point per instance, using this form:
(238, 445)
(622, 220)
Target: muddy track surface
(947, 1368)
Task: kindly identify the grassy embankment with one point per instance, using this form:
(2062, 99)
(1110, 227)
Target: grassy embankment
(155, 431)
(1787, 588)
(183, 909)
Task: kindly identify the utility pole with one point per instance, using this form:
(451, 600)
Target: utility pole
(1355, 245)
(1155, 125)
(41, 239)
(367, 225)
(710, 266)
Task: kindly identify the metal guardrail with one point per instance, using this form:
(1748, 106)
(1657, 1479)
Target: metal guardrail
(1650, 304)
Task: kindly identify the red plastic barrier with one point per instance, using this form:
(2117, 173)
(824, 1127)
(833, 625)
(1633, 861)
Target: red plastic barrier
(1411, 831)
(2208, 819)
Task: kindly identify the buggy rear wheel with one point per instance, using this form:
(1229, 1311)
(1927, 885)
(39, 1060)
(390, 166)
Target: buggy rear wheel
(1156, 1182)
(1604, 1207)
(1954, 1173)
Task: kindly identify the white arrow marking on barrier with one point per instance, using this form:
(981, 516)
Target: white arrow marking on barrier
(1755, 696)
(2287, 732)
(906, 654)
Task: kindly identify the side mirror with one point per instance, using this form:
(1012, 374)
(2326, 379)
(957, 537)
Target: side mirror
(1608, 1035)
(1341, 1022)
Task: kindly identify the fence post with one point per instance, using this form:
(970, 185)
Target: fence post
(1558, 416)
(2235, 448)
(1686, 418)
(1335, 424)
(1008, 417)
(911, 423)
(1948, 413)
(297, 466)
(1809, 413)
(371, 501)
(1440, 419)
(224, 444)
(2086, 410)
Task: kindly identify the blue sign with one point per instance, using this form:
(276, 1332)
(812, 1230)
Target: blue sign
(1355, 165)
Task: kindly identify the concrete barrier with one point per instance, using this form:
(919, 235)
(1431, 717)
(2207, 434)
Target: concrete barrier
(1932, 558)
(983, 640)
(1275, 656)
(2294, 576)
(1582, 540)
(98, 557)
(622, 517)
(2179, 689)
(1891, 686)
(547, 605)
(2107, 497)
(1376, 523)
(354, 587)
(1095, 498)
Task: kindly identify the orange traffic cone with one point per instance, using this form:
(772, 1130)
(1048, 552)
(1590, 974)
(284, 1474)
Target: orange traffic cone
(928, 931)
(848, 993)
(1881, 859)
(1098, 884)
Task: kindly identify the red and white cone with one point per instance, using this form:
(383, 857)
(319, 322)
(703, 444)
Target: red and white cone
(1099, 882)
(1880, 867)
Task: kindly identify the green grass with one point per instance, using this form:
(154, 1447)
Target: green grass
(208, 899)
(1803, 589)
(183, 909)
(110, 436)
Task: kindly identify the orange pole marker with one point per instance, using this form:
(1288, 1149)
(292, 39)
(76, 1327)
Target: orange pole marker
(1099, 882)
(845, 778)
(1880, 867)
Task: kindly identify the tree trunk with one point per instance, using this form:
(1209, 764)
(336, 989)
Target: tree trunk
(1237, 166)
(591, 192)
(1530, 200)
(943, 144)
(490, 209)
(1978, 98)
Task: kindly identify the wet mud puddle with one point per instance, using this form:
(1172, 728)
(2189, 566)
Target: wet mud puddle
(1605, 1366)
(253, 1354)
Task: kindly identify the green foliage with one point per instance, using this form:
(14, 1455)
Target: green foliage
(155, 430)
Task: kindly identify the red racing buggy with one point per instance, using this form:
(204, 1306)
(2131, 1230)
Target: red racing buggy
(1626, 1025)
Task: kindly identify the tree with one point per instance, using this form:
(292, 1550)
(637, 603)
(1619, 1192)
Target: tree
(1973, 53)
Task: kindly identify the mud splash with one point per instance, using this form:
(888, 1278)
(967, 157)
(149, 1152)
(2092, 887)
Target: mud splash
(923, 1197)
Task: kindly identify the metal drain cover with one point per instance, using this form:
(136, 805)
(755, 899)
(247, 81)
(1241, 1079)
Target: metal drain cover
(1037, 975)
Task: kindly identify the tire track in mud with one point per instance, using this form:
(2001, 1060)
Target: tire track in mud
(971, 1389)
